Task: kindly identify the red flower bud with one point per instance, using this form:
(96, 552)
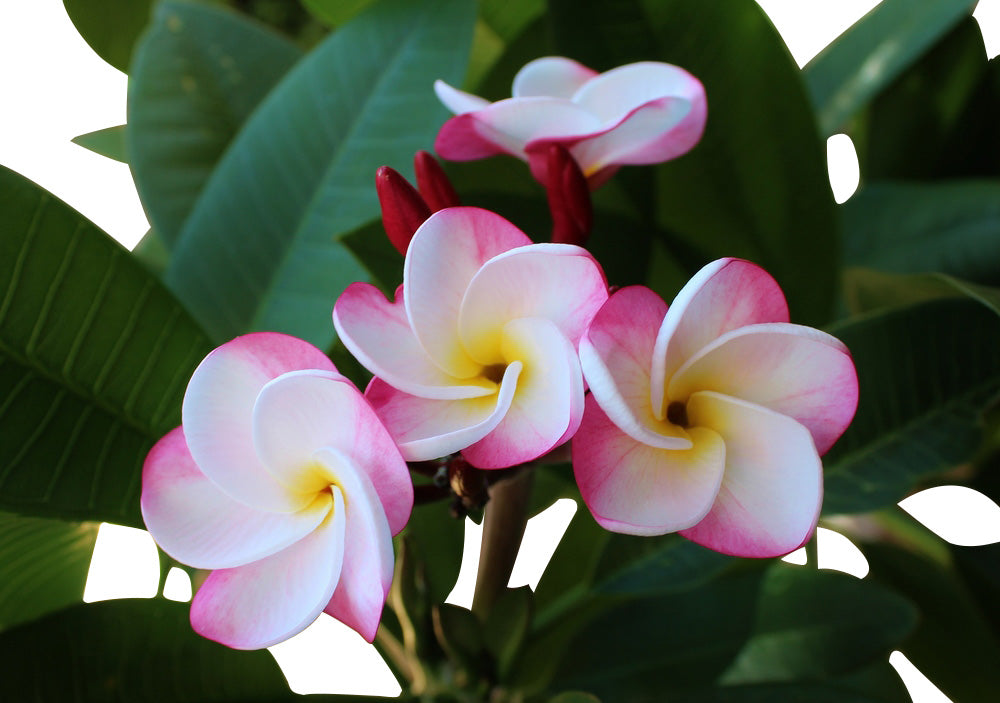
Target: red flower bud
(432, 182)
(569, 197)
(403, 210)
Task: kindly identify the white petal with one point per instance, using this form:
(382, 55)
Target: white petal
(458, 101)
(554, 76)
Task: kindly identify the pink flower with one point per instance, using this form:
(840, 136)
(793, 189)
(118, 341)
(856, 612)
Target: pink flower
(640, 113)
(709, 418)
(478, 351)
(282, 481)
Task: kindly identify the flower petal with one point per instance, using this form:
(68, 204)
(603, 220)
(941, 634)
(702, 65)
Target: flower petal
(657, 131)
(218, 409)
(773, 486)
(303, 412)
(616, 354)
(558, 282)
(197, 524)
(379, 335)
(508, 125)
(268, 601)
(723, 295)
(367, 572)
(794, 370)
(554, 76)
(633, 488)
(426, 428)
(458, 101)
(548, 403)
(615, 94)
(444, 256)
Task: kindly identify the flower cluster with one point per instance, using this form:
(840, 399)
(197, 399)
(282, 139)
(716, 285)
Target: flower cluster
(707, 417)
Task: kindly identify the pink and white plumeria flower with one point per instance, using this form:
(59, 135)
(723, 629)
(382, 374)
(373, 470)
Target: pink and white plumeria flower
(640, 113)
(282, 481)
(478, 351)
(709, 417)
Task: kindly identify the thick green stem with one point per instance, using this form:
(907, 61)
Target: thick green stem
(503, 527)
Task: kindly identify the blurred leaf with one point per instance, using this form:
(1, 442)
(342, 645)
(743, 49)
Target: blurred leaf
(914, 227)
(575, 697)
(130, 650)
(108, 142)
(926, 372)
(508, 18)
(757, 185)
(438, 542)
(964, 669)
(867, 290)
(872, 53)
(372, 248)
(910, 127)
(110, 27)
(460, 634)
(152, 252)
(336, 12)
(507, 625)
(94, 358)
(197, 75)
(816, 624)
(784, 692)
(603, 35)
(644, 566)
(261, 250)
(43, 565)
(648, 646)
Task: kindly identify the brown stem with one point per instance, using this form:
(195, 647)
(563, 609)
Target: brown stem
(503, 527)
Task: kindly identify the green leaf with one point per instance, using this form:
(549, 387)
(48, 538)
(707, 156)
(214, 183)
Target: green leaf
(918, 126)
(43, 566)
(926, 372)
(872, 53)
(914, 227)
(757, 185)
(602, 35)
(95, 355)
(816, 624)
(110, 27)
(575, 697)
(964, 669)
(507, 625)
(785, 693)
(109, 142)
(197, 75)
(644, 566)
(438, 543)
(152, 252)
(261, 249)
(336, 12)
(130, 650)
(647, 646)
(508, 18)
(867, 290)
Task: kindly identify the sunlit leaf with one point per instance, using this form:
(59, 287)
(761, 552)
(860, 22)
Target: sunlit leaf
(197, 75)
(261, 249)
(873, 52)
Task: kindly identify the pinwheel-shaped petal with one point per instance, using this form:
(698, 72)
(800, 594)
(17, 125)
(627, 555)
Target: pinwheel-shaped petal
(709, 417)
(478, 351)
(640, 113)
(283, 482)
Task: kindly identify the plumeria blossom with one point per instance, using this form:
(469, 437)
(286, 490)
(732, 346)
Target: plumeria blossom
(284, 483)
(710, 417)
(640, 113)
(478, 350)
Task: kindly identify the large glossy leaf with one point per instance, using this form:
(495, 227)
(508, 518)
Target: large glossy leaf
(43, 565)
(949, 227)
(964, 668)
(110, 27)
(129, 650)
(785, 693)
(756, 186)
(917, 126)
(875, 51)
(261, 249)
(197, 75)
(926, 372)
(817, 624)
(94, 357)
(647, 646)
(109, 142)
